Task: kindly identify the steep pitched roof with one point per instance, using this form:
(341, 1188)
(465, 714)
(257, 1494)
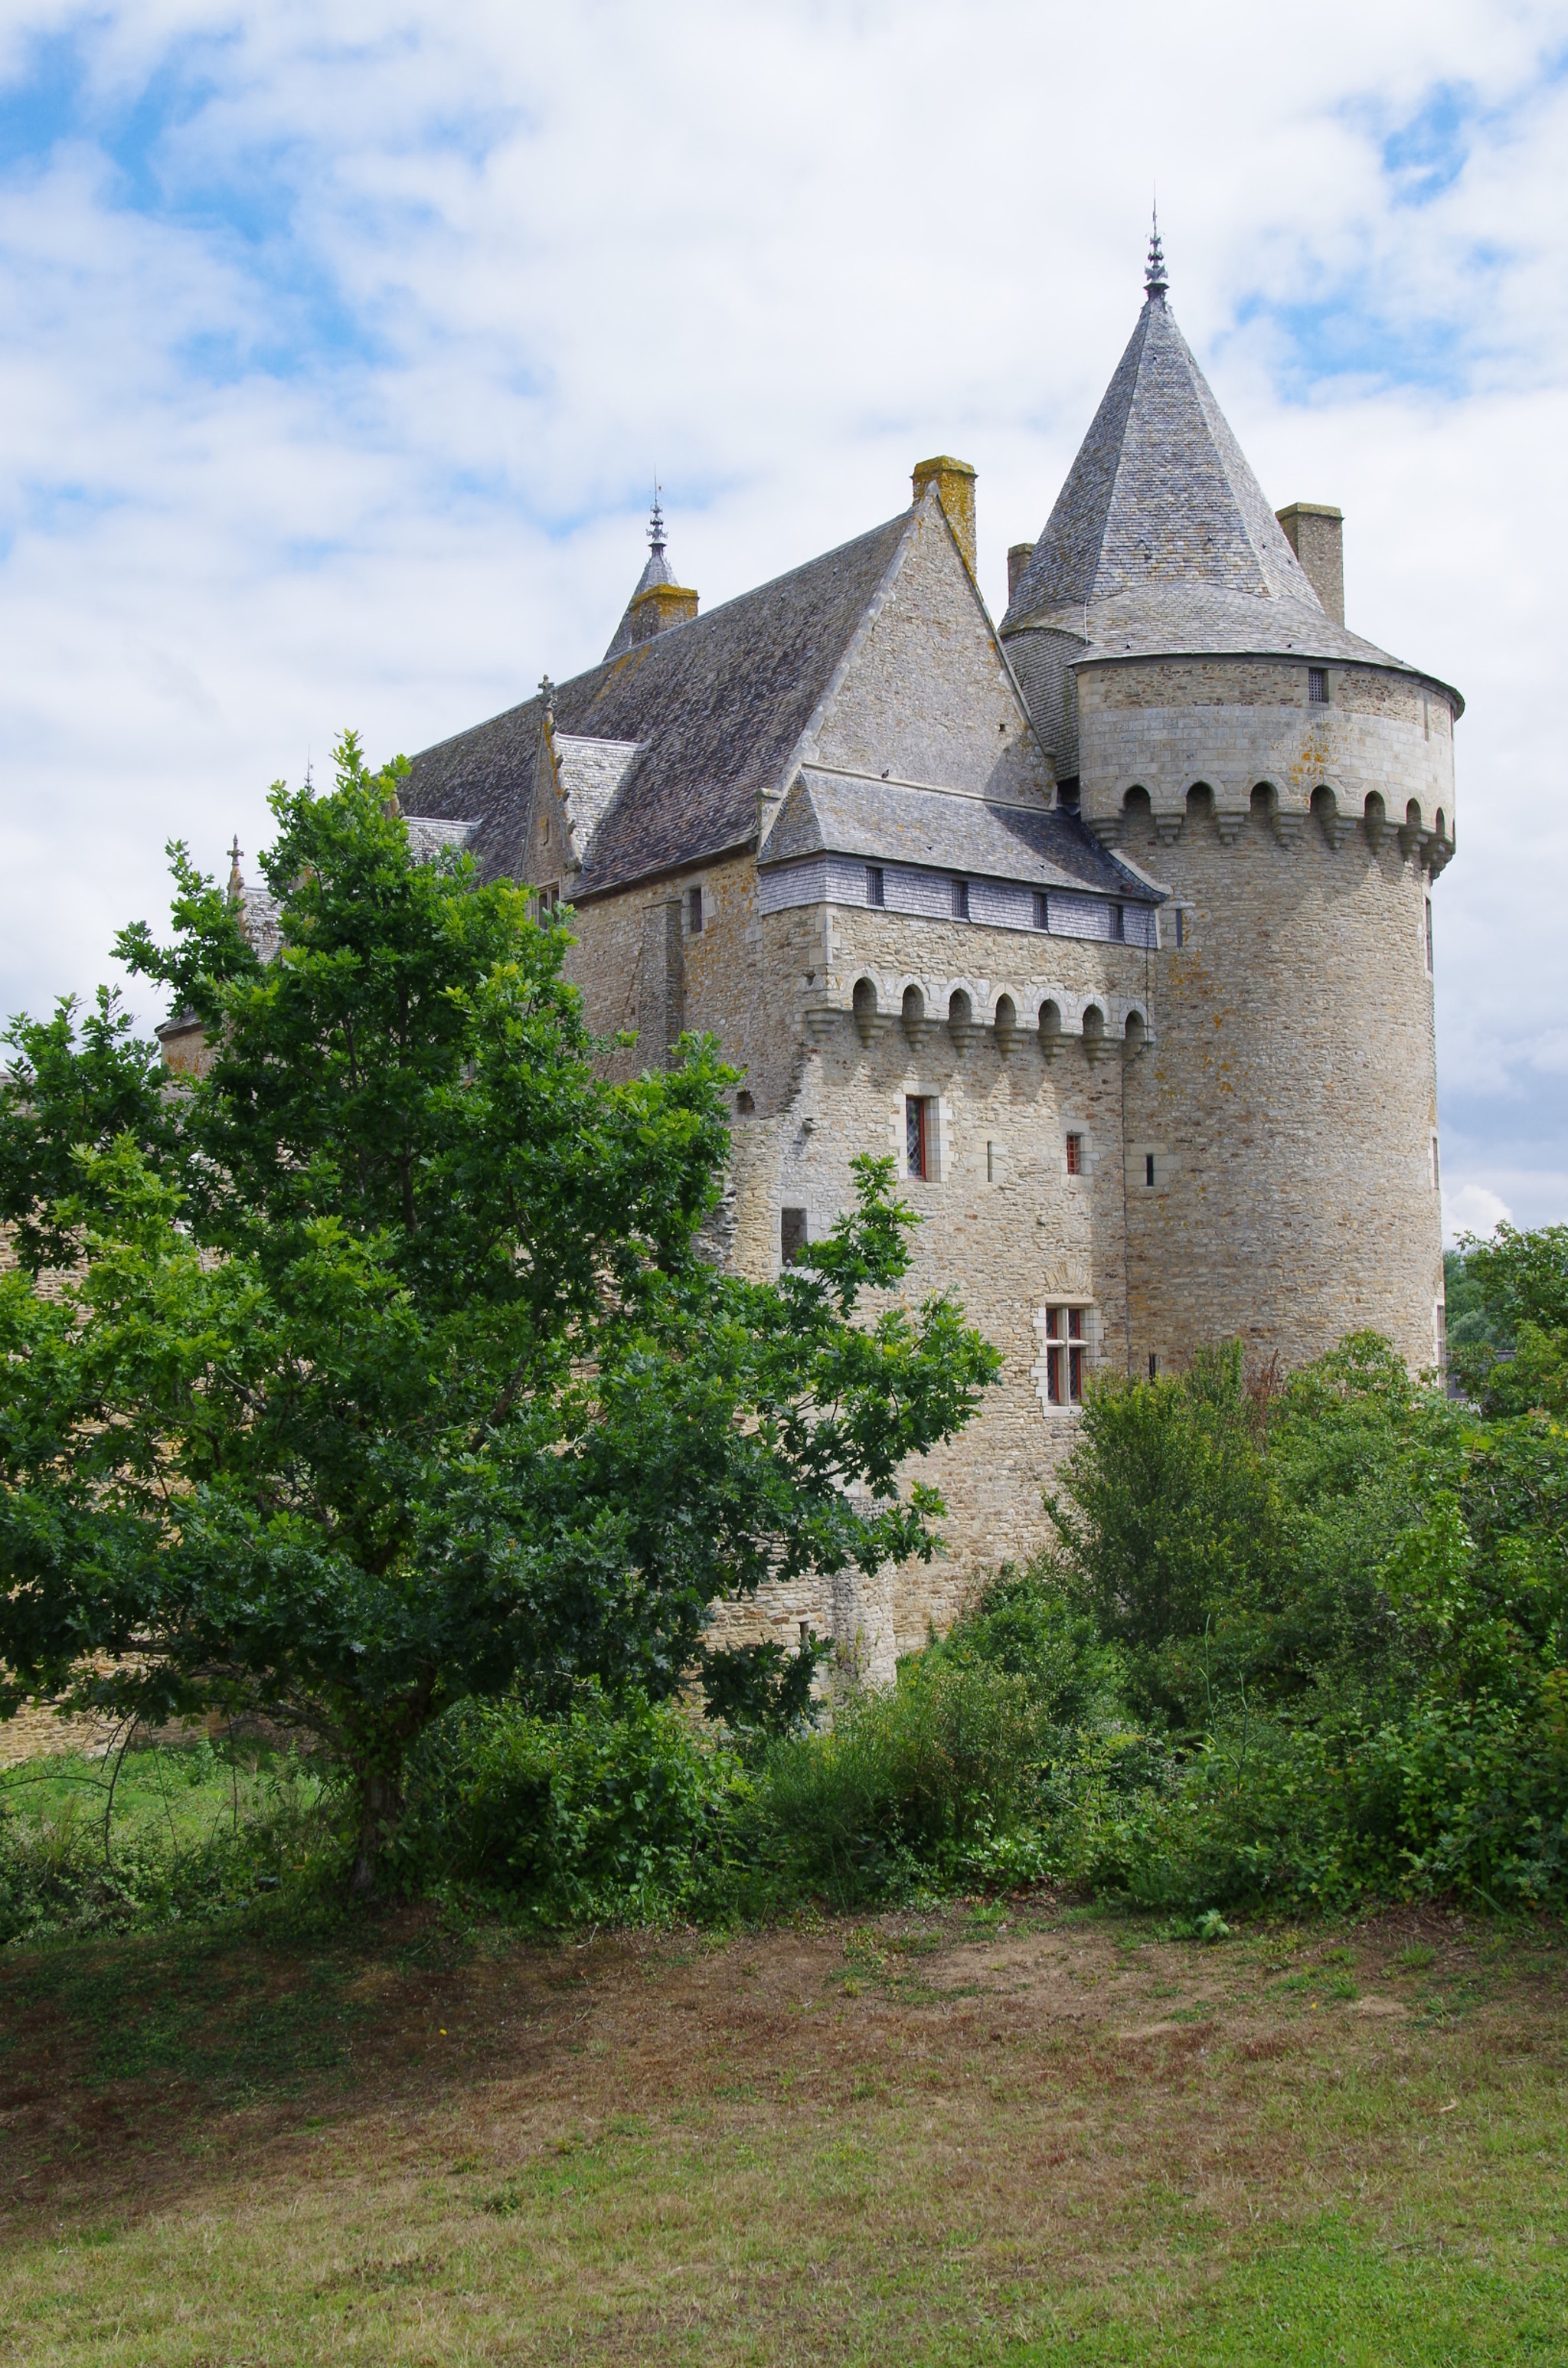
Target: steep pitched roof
(894, 822)
(717, 706)
(657, 571)
(1162, 540)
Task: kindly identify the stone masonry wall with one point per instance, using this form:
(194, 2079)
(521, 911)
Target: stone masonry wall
(1289, 1102)
(1233, 723)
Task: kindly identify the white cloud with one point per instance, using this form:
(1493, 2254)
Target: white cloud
(334, 388)
(1473, 1209)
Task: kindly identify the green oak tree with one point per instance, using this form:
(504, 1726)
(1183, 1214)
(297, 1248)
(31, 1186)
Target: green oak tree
(379, 1366)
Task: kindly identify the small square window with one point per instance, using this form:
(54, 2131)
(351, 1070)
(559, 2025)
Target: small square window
(1317, 685)
(1041, 910)
(694, 911)
(1148, 1168)
(876, 886)
(961, 900)
(791, 1235)
(1074, 1155)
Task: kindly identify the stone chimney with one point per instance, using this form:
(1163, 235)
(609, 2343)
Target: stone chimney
(1018, 557)
(954, 482)
(1316, 534)
(658, 607)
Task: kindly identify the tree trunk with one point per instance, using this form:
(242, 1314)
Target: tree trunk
(380, 1809)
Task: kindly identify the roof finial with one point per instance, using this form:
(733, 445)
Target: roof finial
(1155, 280)
(656, 523)
(236, 877)
(547, 700)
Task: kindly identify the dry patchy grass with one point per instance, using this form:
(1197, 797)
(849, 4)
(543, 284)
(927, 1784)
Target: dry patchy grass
(1019, 2134)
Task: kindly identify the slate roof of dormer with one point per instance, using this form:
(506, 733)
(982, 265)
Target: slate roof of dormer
(950, 830)
(718, 707)
(1161, 543)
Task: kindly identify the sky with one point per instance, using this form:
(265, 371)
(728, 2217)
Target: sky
(340, 344)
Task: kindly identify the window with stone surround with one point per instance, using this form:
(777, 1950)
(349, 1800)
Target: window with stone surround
(1317, 685)
(1066, 1340)
(920, 1136)
(1074, 1155)
(694, 911)
(791, 1235)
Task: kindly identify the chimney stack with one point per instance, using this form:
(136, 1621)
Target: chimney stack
(1315, 532)
(955, 490)
(1018, 557)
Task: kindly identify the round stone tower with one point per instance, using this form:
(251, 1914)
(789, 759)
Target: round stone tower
(1185, 655)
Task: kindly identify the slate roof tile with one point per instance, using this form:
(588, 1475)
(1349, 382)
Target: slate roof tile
(718, 705)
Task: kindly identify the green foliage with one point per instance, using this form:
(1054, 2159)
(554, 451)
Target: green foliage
(610, 1814)
(166, 1836)
(761, 1690)
(1514, 1361)
(388, 1372)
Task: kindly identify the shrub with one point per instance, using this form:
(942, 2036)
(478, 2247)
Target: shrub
(613, 1812)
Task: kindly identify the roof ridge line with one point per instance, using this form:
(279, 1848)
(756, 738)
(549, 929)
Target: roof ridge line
(928, 788)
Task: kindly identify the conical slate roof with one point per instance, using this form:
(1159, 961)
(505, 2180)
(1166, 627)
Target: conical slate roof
(657, 571)
(1162, 540)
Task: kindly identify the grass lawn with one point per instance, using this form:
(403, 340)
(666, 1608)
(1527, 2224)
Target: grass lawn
(1024, 2134)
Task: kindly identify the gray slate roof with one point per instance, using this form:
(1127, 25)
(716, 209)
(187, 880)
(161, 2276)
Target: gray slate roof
(718, 707)
(850, 814)
(1162, 534)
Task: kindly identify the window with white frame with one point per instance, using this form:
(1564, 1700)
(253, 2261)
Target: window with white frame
(1064, 1355)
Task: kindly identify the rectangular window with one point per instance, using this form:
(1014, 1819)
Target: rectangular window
(1154, 1366)
(876, 888)
(1436, 1185)
(1074, 1155)
(1148, 1168)
(990, 1163)
(694, 911)
(1428, 934)
(1065, 1331)
(1119, 924)
(1317, 685)
(1181, 927)
(547, 900)
(791, 1235)
(918, 1132)
(961, 900)
(1041, 910)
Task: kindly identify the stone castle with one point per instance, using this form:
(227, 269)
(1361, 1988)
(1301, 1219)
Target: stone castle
(1111, 923)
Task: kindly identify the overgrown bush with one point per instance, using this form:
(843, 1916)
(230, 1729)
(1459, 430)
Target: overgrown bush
(180, 1841)
(613, 1812)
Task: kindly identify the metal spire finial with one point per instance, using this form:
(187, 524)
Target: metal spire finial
(1155, 280)
(656, 523)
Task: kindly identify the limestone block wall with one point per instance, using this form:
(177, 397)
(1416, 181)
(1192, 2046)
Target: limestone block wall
(1004, 1224)
(1289, 1100)
(1233, 722)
